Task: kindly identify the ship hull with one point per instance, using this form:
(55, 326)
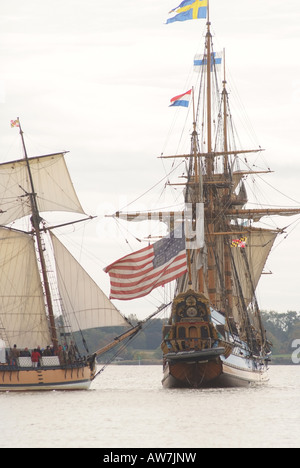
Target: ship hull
(221, 373)
(61, 378)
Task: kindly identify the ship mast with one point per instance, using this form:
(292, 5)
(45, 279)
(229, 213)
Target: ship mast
(197, 192)
(227, 256)
(209, 171)
(209, 118)
(35, 221)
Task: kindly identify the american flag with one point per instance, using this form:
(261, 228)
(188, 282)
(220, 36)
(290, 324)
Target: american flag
(137, 274)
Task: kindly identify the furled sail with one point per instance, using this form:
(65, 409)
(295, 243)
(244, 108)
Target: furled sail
(22, 310)
(52, 183)
(2, 352)
(85, 304)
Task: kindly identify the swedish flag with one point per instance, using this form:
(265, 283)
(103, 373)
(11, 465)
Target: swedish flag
(188, 10)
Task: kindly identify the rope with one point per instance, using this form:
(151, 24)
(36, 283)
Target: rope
(123, 346)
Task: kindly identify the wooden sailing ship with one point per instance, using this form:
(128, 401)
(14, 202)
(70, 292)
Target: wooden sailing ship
(33, 315)
(215, 335)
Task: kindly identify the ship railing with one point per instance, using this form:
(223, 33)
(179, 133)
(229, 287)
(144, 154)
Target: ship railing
(26, 364)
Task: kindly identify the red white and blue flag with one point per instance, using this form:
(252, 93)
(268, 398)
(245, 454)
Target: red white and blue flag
(181, 100)
(137, 274)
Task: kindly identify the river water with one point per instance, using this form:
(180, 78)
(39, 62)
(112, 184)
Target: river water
(128, 408)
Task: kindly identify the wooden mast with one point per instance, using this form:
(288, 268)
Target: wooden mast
(225, 135)
(198, 184)
(209, 173)
(209, 159)
(227, 256)
(197, 187)
(35, 221)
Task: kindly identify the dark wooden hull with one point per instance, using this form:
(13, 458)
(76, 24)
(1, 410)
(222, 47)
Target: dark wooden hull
(220, 373)
(191, 375)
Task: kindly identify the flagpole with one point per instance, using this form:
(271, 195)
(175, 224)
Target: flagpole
(193, 97)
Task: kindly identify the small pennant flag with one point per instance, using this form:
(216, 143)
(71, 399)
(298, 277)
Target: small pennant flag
(14, 123)
(182, 100)
(241, 243)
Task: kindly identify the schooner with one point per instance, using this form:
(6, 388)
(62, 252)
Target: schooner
(29, 319)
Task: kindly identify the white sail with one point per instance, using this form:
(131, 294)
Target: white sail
(52, 183)
(22, 310)
(258, 247)
(85, 304)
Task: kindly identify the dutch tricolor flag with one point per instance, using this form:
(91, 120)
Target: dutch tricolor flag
(181, 100)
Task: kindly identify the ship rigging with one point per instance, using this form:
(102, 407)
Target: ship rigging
(215, 335)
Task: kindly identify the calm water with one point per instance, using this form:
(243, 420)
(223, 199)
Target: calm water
(127, 408)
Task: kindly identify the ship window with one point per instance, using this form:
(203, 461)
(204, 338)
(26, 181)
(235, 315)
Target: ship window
(181, 332)
(204, 332)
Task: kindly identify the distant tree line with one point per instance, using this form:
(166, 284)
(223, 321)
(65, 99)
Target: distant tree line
(282, 329)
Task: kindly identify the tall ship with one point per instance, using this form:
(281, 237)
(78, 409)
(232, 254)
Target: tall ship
(216, 249)
(47, 299)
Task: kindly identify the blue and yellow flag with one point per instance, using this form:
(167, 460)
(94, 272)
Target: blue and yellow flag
(188, 10)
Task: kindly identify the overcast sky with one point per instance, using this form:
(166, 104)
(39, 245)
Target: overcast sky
(95, 78)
